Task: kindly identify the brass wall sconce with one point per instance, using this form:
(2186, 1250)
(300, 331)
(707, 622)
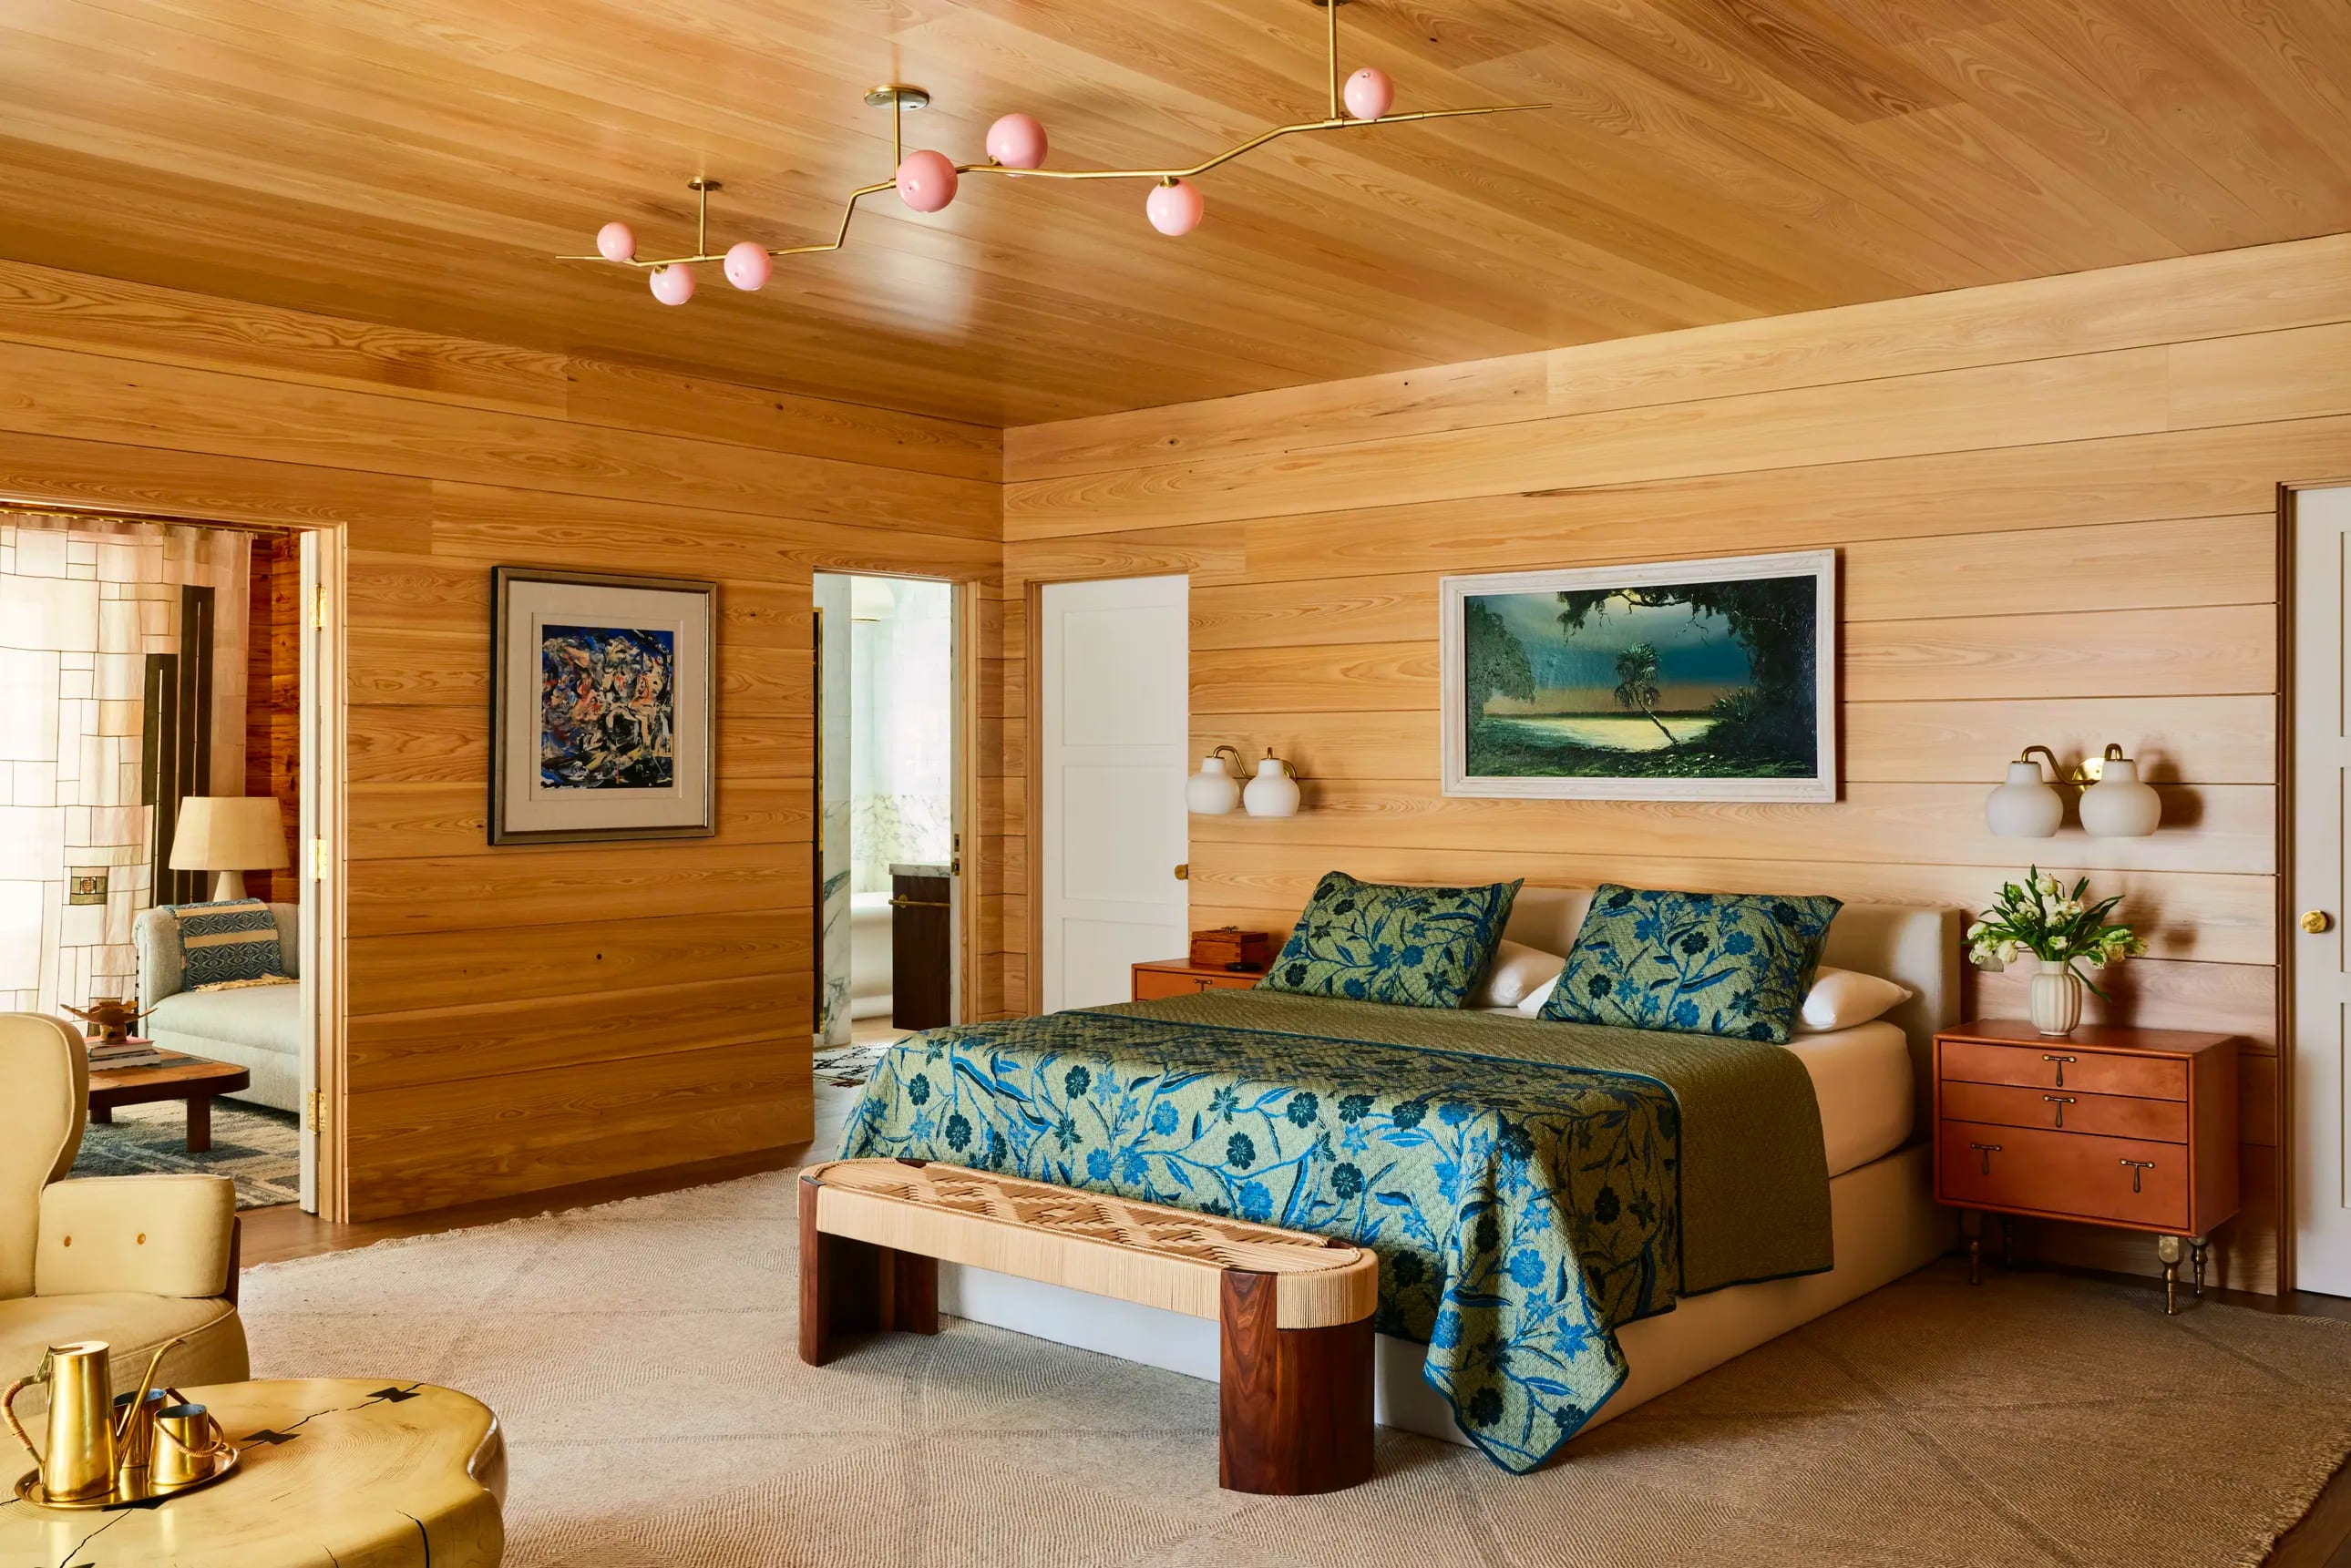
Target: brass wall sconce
(2115, 803)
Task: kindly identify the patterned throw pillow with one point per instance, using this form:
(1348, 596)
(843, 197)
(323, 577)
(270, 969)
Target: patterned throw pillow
(236, 939)
(1383, 942)
(1733, 964)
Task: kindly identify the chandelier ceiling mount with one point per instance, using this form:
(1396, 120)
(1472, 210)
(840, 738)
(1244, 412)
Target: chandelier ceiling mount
(927, 180)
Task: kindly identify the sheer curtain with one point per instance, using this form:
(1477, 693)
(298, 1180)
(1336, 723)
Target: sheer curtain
(902, 697)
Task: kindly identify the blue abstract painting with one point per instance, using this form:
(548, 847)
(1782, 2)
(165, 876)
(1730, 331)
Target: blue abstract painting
(608, 708)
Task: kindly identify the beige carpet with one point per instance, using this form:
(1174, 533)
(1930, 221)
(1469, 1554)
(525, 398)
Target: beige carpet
(642, 1358)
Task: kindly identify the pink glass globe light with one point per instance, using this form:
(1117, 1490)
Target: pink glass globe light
(1175, 209)
(1369, 93)
(1017, 142)
(672, 284)
(926, 181)
(749, 265)
(616, 242)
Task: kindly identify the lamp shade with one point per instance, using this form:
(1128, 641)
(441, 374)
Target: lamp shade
(2026, 806)
(231, 834)
(2120, 805)
(1213, 791)
(1273, 792)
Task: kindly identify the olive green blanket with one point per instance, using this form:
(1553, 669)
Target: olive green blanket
(1528, 1187)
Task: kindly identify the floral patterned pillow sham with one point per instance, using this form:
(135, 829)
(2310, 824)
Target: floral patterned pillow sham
(1386, 942)
(1734, 963)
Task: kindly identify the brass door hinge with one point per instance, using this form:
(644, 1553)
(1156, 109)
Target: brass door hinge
(319, 607)
(317, 860)
(314, 1112)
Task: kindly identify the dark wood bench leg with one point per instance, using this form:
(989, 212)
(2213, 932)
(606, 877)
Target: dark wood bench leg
(854, 1287)
(1294, 1406)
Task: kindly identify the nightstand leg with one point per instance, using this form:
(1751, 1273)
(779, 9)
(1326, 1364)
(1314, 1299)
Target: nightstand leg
(2196, 1255)
(2167, 1249)
(1971, 1226)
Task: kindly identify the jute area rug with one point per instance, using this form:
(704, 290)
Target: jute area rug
(642, 1356)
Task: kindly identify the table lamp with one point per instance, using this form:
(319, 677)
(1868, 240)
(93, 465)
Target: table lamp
(229, 835)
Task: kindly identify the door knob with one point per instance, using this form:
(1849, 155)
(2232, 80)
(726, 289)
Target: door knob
(2318, 922)
(1183, 873)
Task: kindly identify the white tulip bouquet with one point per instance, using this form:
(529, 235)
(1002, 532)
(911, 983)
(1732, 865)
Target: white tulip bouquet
(2041, 918)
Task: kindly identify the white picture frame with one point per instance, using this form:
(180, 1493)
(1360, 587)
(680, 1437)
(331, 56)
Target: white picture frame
(1506, 740)
(587, 612)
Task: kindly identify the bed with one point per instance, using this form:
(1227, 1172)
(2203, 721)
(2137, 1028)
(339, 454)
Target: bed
(1645, 1206)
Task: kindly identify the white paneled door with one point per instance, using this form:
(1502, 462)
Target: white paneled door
(1115, 719)
(2321, 1170)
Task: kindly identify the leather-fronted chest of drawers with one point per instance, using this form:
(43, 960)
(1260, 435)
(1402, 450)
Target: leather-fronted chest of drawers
(2129, 1127)
(1181, 978)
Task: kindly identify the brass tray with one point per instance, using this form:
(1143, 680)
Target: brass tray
(28, 1489)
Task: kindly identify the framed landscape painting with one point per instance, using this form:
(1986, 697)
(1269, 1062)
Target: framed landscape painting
(601, 705)
(1687, 680)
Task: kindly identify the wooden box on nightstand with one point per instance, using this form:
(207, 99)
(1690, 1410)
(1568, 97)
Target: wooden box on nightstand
(1182, 977)
(2135, 1128)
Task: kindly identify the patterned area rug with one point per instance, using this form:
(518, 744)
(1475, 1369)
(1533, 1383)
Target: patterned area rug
(641, 1357)
(253, 1145)
(848, 1066)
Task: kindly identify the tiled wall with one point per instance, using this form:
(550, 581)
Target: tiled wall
(82, 602)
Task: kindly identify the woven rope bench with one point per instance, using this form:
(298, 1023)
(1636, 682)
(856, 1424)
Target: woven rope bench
(1294, 1311)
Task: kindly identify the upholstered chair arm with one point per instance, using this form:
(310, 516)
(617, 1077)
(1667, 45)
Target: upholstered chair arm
(160, 1235)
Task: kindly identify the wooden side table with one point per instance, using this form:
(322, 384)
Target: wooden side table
(1182, 977)
(2135, 1128)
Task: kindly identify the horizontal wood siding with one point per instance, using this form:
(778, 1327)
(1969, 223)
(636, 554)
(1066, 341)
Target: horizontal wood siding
(522, 1016)
(2054, 504)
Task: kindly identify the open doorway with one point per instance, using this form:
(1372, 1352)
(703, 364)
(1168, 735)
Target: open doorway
(151, 729)
(888, 865)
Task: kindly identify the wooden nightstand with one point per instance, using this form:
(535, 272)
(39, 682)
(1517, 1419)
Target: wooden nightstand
(1181, 978)
(2135, 1128)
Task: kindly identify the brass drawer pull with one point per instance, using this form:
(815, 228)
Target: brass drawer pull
(2061, 1101)
(1987, 1150)
(2060, 1062)
(2139, 1169)
(898, 902)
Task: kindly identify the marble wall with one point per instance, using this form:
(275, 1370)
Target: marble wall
(83, 601)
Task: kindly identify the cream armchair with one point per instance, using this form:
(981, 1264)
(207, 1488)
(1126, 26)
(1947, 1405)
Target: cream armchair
(133, 1260)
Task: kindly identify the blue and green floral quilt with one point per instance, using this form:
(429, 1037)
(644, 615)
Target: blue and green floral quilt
(1529, 1187)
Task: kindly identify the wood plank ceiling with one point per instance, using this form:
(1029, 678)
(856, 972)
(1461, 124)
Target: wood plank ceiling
(414, 164)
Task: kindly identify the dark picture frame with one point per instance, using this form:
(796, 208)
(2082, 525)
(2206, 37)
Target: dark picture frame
(603, 706)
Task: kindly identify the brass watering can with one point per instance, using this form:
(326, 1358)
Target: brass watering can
(103, 1449)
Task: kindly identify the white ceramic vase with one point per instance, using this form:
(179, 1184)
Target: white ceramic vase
(2055, 998)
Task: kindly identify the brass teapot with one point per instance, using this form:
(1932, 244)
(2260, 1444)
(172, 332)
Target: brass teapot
(104, 1450)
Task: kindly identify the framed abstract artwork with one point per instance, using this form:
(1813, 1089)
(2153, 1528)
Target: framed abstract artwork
(1686, 680)
(601, 706)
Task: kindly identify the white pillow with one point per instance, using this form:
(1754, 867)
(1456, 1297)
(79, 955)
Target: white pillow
(1532, 1004)
(1517, 972)
(1843, 998)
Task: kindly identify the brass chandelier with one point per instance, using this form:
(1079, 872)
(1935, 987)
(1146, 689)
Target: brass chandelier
(927, 180)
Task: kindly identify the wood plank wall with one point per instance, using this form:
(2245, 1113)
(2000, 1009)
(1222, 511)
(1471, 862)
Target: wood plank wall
(272, 696)
(2056, 506)
(530, 1016)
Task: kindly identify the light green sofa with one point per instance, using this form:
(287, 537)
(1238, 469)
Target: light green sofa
(257, 1027)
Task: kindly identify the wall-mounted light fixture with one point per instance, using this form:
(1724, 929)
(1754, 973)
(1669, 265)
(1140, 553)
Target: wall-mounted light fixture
(2115, 803)
(1274, 791)
(1214, 792)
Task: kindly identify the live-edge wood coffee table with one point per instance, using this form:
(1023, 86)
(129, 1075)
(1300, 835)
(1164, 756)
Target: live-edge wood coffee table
(392, 1474)
(178, 1077)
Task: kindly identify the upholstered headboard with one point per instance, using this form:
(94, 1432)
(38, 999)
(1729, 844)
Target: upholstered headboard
(1916, 948)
